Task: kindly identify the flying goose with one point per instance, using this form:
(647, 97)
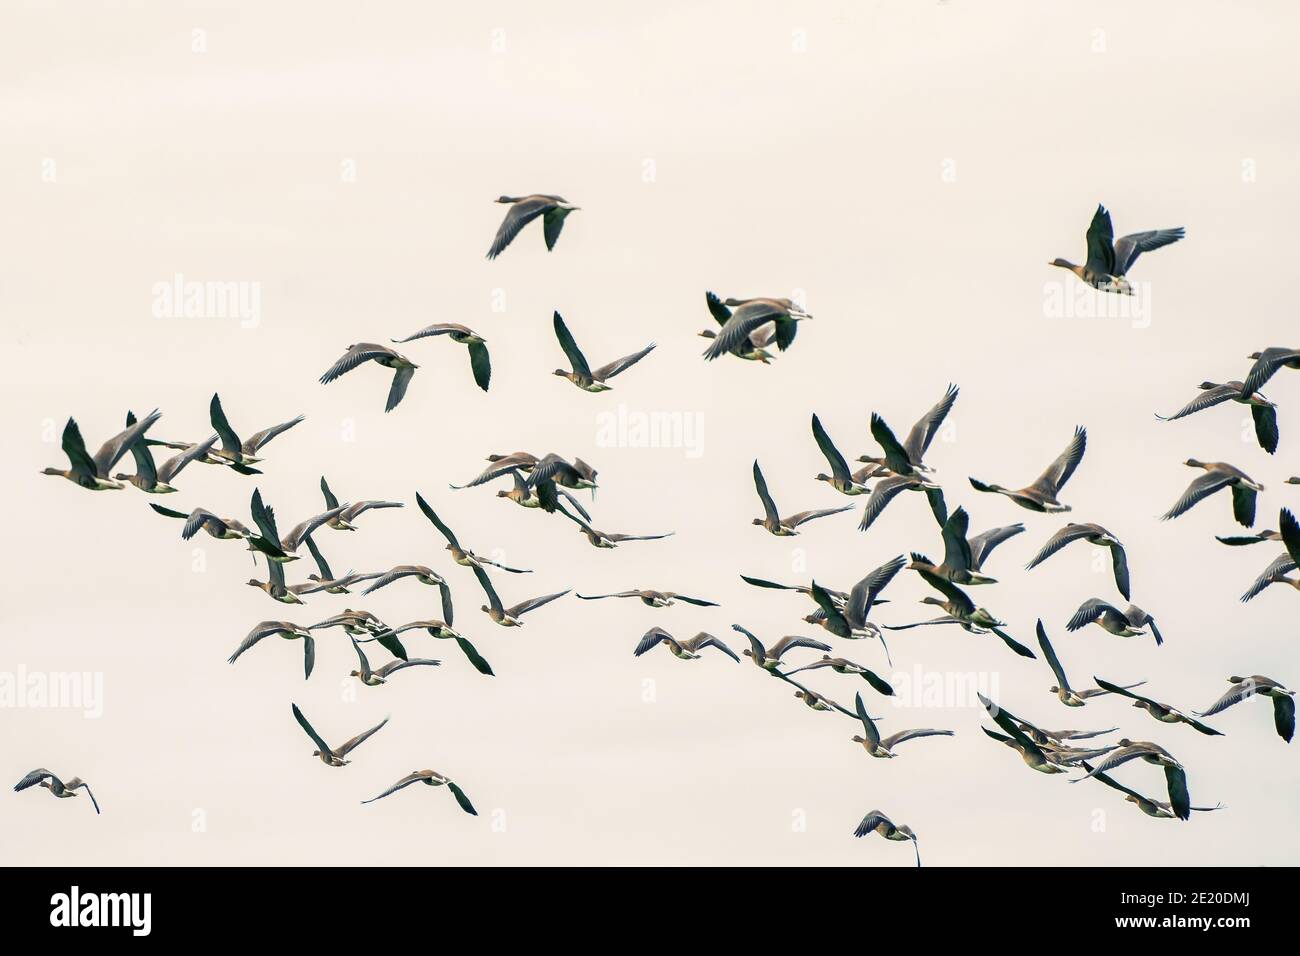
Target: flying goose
(905, 458)
(156, 480)
(275, 586)
(772, 521)
(264, 518)
(524, 496)
(93, 473)
(685, 650)
(582, 375)
(1058, 737)
(554, 470)
(1042, 494)
(652, 598)
(963, 557)
(1109, 259)
(326, 581)
(380, 355)
(812, 699)
(462, 556)
(889, 488)
(240, 455)
(200, 519)
(444, 632)
(329, 756)
(1276, 573)
(770, 660)
(1094, 534)
(841, 666)
(373, 678)
(873, 744)
(56, 786)
(1032, 753)
(748, 317)
(839, 596)
(1219, 475)
(480, 362)
(1255, 537)
(1127, 623)
(604, 539)
(1161, 712)
(1068, 696)
(343, 520)
(877, 822)
(1175, 775)
(509, 616)
(960, 609)
(1267, 364)
(1159, 809)
(849, 619)
(433, 779)
(366, 627)
(498, 465)
(840, 478)
(753, 346)
(287, 630)
(523, 210)
(1262, 410)
(1243, 688)
(422, 574)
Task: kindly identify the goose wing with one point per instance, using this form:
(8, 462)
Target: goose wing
(1070, 533)
(418, 777)
(112, 450)
(956, 549)
(1270, 575)
(1235, 695)
(956, 595)
(869, 729)
(552, 223)
(304, 528)
(310, 730)
(839, 467)
(745, 320)
(803, 517)
(361, 738)
(144, 463)
(486, 583)
(480, 363)
(923, 432)
(651, 639)
(230, 442)
(520, 214)
(1052, 660)
(791, 641)
(1243, 505)
(894, 739)
(397, 665)
(35, 777)
(1202, 487)
(397, 391)
(756, 647)
(437, 328)
(1208, 398)
(74, 446)
(619, 365)
(1290, 533)
(1112, 782)
(173, 465)
(769, 506)
(1180, 801)
(717, 309)
(523, 607)
(259, 439)
(1089, 611)
(1284, 716)
(576, 359)
(476, 659)
(896, 457)
(1059, 472)
(1101, 243)
(1128, 248)
(354, 356)
(872, 820)
(702, 640)
(1266, 433)
(881, 495)
(864, 593)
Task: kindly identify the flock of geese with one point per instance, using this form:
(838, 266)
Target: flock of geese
(748, 329)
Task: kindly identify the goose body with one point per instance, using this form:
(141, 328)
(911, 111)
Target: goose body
(360, 353)
(752, 315)
(1043, 494)
(1219, 475)
(553, 210)
(58, 788)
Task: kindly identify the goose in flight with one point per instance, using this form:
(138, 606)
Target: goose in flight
(1127, 623)
(462, 556)
(373, 678)
(325, 580)
(59, 788)
(812, 699)
(276, 548)
(1042, 494)
(1109, 259)
(275, 587)
(443, 632)
(606, 540)
(334, 757)
(652, 598)
(157, 480)
(841, 666)
(422, 574)
(889, 488)
(1267, 364)
(848, 619)
(381, 355)
(582, 375)
(1032, 753)
(285, 629)
(527, 497)
(498, 465)
(772, 522)
(840, 478)
(200, 519)
(1262, 411)
(366, 627)
(685, 650)
(1175, 775)
(510, 616)
(553, 471)
(960, 609)
(751, 315)
(1067, 695)
(1288, 561)
(877, 746)
(93, 473)
(1161, 712)
(905, 458)
(343, 520)
(430, 778)
(963, 557)
(1094, 534)
(770, 660)
(752, 347)
(241, 455)
(1244, 688)
(877, 822)
(480, 362)
(1159, 809)
(1219, 475)
(523, 210)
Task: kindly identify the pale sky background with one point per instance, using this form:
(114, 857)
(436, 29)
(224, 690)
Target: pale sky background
(910, 166)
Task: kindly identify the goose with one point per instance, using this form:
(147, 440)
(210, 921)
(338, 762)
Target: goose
(839, 596)
(430, 778)
(553, 470)
(905, 458)
(59, 788)
(1267, 364)
(523, 210)
(1262, 411)
(1243, 688)
(770, 660)
(361, 352)
(752, 347)
(1276, 573)
(264, 518)
(963, 557)
(1219, 475)
(527, 497)
(462, 556)
(1127, 623)
(1159, 809)
(849, 620)
(877, 822)
(366, 627)
(960, 609)
(93, 473)
(422, 574)
(683, 650)
(840, 478)
(498, 465)
(582, 375)
(1059, 737)
(841, 666)
(1068, 696)
(1042, 494)
(275, 586)
(1255, 537)
(1161, 712)
(883, 748)
(1109, 259)
(772, 522)
(1175, 774)
(334, 757)
(343, 520)
(326, 581)
(1034, 756)
(155, 480)
(889, 488)
(444, 632)
(749, 316)
(480, 362)
(812, 699)
(285, 629)
(373, 678)
(606, 540)
(240, 455)
(652, 598)
(1094, 534)
(510, 616)
(200, 519)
